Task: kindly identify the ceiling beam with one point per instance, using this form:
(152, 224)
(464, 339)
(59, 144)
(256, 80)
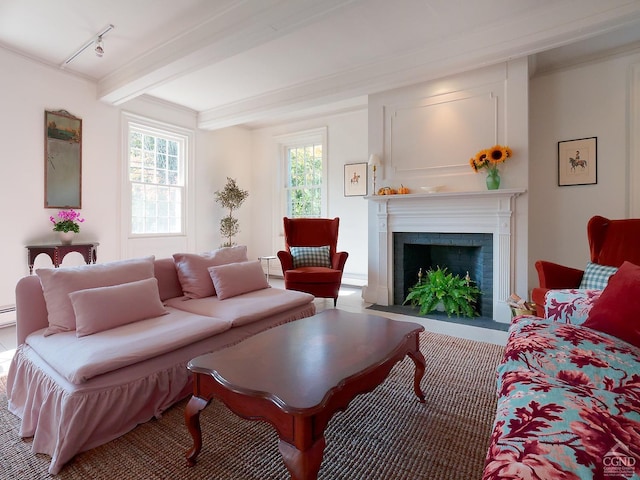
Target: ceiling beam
(244, 25)
(519, 38)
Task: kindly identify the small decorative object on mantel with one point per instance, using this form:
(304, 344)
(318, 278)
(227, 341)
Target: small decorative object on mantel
(67, 225)
(490, 159)
(374, 163)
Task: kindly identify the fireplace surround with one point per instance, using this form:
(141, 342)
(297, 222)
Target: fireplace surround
(460, 253)
(483, 212)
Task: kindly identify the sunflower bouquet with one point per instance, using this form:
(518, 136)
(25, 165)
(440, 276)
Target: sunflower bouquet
(490, 158)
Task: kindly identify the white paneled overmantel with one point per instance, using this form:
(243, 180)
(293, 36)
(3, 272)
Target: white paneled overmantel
(489, 211)
(419, 140)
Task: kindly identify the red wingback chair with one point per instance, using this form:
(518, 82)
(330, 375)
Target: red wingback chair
(611, 242)
(322, 282)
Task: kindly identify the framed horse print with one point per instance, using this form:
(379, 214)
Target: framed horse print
(578, 162)
(355, 179)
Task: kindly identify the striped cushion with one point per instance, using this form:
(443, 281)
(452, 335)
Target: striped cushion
(596, 276)
(310, 256)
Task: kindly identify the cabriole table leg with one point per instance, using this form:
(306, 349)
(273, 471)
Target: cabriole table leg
(192, 420)
(302, 465)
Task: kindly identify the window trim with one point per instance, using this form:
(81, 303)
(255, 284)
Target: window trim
(279, 208)
(186, 136)
(300, 139)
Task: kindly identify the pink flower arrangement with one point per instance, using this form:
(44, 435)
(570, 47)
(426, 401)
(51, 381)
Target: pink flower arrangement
(67, 221)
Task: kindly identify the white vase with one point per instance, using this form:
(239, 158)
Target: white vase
(66, 237)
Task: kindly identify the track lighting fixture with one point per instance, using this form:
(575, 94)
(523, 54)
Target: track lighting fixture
(95, 40)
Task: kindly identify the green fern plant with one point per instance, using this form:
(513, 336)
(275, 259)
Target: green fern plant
(457, 295)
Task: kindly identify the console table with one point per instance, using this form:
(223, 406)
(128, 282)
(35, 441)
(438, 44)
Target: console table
(58, 252)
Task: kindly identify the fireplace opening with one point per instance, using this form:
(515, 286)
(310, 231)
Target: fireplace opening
(460, 253)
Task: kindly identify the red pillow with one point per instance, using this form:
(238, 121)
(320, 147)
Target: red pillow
(617, 311)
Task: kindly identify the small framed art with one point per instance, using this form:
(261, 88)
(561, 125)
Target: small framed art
(578, 162)
(355, 179)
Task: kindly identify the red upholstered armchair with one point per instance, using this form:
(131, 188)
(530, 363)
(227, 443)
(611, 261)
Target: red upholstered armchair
(321, 281)
(611, 242)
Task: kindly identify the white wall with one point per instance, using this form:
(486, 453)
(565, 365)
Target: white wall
(588, 100)
(469, 112)
(227, 153)
(346, 143)
(27, 89)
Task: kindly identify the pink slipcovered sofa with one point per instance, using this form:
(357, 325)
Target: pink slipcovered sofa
(88, 376)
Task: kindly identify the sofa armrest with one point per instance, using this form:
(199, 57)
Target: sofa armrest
(553, 275)
(286, 260)
(538, 296)
(338, 260)
(31, 308)
(570, 305)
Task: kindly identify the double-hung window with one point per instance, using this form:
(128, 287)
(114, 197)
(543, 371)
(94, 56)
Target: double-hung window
(305, 175)
(157, 161)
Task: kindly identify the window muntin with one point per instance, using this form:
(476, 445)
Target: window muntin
(157, 178)
(304, 185)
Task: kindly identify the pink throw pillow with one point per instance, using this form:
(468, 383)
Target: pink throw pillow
(58, 283)
(192, 269)
(237, 278)
(104, 308)
(617, 311)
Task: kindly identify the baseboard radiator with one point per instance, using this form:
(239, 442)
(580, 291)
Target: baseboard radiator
(7, 309)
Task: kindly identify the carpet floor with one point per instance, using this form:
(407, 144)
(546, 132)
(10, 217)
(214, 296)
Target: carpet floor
(383, 435)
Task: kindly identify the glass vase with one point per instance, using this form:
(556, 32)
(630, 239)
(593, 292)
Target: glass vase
(493, 180)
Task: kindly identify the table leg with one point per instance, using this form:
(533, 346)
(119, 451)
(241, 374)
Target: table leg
(192, 420)
(303, 465)
(421, 364)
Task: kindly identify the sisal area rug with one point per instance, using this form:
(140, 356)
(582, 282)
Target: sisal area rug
(383, 435)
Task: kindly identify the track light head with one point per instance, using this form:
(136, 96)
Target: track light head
(99, 47)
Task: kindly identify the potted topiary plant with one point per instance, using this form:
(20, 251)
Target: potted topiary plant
(457, 295)
(231, 197)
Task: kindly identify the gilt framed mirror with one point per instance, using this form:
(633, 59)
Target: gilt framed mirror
(62, 160)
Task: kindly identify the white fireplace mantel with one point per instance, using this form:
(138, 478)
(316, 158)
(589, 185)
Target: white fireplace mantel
(488, 211)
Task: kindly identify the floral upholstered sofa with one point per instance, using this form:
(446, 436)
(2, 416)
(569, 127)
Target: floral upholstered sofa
(569, 388)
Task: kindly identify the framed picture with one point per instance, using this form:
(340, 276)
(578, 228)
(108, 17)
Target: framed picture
(578, 162)
(355, 179)
(62, 160)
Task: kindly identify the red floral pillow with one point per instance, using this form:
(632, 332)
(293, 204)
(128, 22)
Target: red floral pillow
(617, 311)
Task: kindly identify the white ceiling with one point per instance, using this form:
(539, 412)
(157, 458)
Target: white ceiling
(255, 61)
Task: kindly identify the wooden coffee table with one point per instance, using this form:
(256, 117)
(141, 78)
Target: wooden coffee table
(298, 375)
